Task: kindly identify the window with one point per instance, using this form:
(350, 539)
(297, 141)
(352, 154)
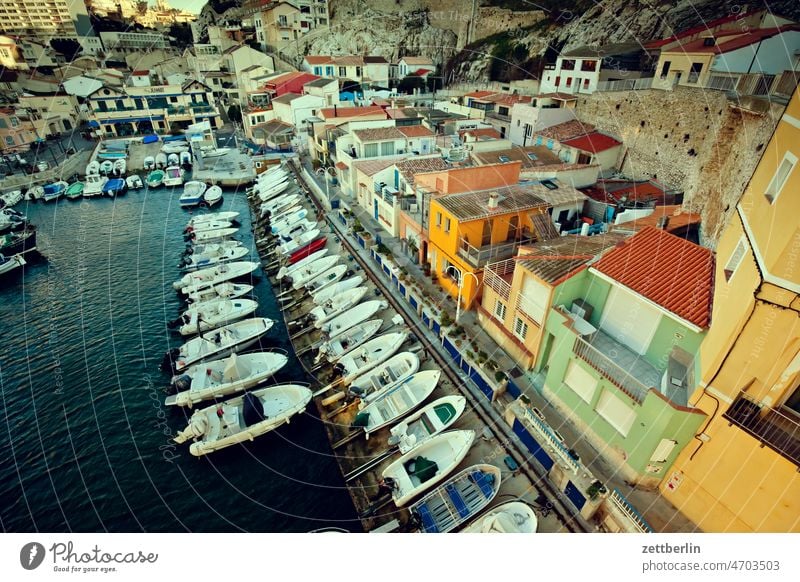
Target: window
(710, 41)
(735, 259)
(520, 329)
(318, 71)
(329, 71)
(370, 150)
(793, 402)
(778, 180)
(504, 159)
(387, 148)
(615, 412)
(558, 79)
(3, 124)
(486, 235)
(14, 122)
(518, 122)
(282, 21)
(569, 82)
(438, 220)
(665, 69)
(580, 381)
(532, 156)
(10, 140)
(694, 73)
(586, 83)
(342, 71)
(447, 225)
(499, 309)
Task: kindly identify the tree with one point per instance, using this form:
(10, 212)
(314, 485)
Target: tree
(407, 85)
(235, 113)
(69, 47)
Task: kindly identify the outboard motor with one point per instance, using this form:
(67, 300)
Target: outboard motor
(175, 322)
(182, 383)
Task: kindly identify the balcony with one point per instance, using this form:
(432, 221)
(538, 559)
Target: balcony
(479, 256)
(498, 276)
(773, 428)
(498, 116)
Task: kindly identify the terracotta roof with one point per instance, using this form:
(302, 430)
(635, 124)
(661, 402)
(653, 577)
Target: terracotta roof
(402, 113)
(599, 52)
(475, 205)
(592, 142)
(479, 94)
(415, 131)
(421, 72)
(666, 269)
(678, 220)
(378, 133)
(140, 73)
(566, 130)
(372, 167)
(318, 59)
(705, 26)
(737, 42)
(411, 167)
(481, 132)
(348, 60)
(507, 99)
(330, 112)
(416, 60)
(275, 127)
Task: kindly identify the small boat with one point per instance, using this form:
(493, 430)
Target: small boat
(354, 316)
(134, 182)
(510, 517)
(224, 377)
(161, 160)
(152, 138)
(106, 167)
(120, 167)
(265, 181)
(11, 198)
(114, 187)
(174, 148)
(215, 152)
(457, 501)
(270, 176)
(243, 418)
(208, 248)
(93, 185)
(320, 297)
(11, 220)
(74, 190)
(206, 236)
(372, 385)
(219, 343)
(277, 226)
(199, 280)
(192, 193)
(372, 353)
(149, 163)
(173, 176)
(212, 314)
(155, 178)
(425, 466)
(273, 191)
(35, 193)
(287, 270)
(300, 277)
(185, 159)
(208, 225)
(211, 217)
(110, 155)
(432, 419)
(288, 247)
(221, 291)
(343, 343)
(17, 243)
(92, 167)
(284, 213)
(173, 160)
(214, 256)
(8, 265)
(278, 205)
(294, 231)
(55, 190)
(307, 250)
(326, 279)
(213, 196)
(336, 306)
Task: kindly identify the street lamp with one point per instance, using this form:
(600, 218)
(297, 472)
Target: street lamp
(460, 286)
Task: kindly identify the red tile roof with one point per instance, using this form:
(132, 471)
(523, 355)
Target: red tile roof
(481, 132)
(741, 40)
(421, 72)
(678, 219)
(330, 113)
(318, 59)
(415, 131)
(558, 96)
(666, 269)
(706, 26)
(592, 142)
(480, 94)
(567, 130)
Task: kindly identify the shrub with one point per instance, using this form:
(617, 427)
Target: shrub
(499, 376)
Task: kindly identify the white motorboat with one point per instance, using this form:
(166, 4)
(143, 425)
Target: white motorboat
(92, 167)
(373, 384)
(174, 147)
(213, 314)
(214, 152)
(185, 158)
(221, 342)
(120, 167)
(287, 247)
(277, 226)
(294, 230)
(9, 264)
(221, 291)
(273, 192)
(213, 235)
(161, 160)
(225, 376)
(510, 517)
(35, 193)
(428, 464)
(215, 247)
(11, 198)
(343, 343)
(225, 216)
(106, 167)
(199, 280)
(93, 185)
(326, 279)
(320, 297)
(305, 274)
(284, 213)
(134, 182)
(173, 176)
(374, 352)
(213, 196)
(208, 225)
(243, 418)
(288, 270)
(173, 160)
(149, 163)
(354, 316)
(268, 179)
(457, 501)
(336, 306)
(427, 422)
(192, 193)
(279, 204)
(214, 255)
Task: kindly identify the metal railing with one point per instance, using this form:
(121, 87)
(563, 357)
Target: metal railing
(615, 374)
(493, 277)
(621, 503)
(479, 256)
(773, 428)
(626, 84)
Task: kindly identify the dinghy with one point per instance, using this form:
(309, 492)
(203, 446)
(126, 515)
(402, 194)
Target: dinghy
(112, 155)
(336, 306)
(287, 270)
(213, 314)
(214, 256)
(161, 160)
(173, 176)
(424, 467)
(114, 187)
(223, 377)
(92, 167)
(221, 291)
(457, 501)
(185, 159)
(374, 352)
(15, 243)
(343, 343)
(396, 369)
(432, 419)
(155, 178)
(93, 185)
(120, 167)
(308, 249)
(270, 177)
(320, 297)
(283, 223)
(199, 280)
(213, 196)
(352, 317)
(133, 182)
(8, 265)
(74, 190)
(288, 247)
(55, 190)
(149, 163)
(243, 418)
(106, 167)
(326, 279)
(192, 193)
(221, 342)
(274, 191)
(213, 235)
(35, 193)
(511, 517)
(212, 217)
(300, 277)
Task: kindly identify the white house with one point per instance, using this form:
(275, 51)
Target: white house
(580, 70)
(296, 109)
(326, 89)
(526, 121)
(419, 66)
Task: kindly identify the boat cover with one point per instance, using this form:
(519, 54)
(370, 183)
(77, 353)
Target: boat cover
(150, 139)
(252, 409)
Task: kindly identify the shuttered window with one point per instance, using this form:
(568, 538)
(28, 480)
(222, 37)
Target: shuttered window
(615, 412)
(580, 382)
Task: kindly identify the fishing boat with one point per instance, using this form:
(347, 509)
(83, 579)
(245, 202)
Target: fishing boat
(134, 182)
(173, 160)
(321, 296)
(213, 196)
(227, 216)
(219, 343)
(149, 163)
(185, 159)
(114, 187)
(225, 376)
(192, 193)
(510, 517)
(214, 152)
(221, 291)
(92, 167)
(17, 243)
(277, 226)
(333, 349)
(286, 271)
(425, 466)
(300, 277)
(326, 279)
(288, 247)
(206, 236)
(106, 167)
(370, 354)
(55, 190)
(213, 255)
(457, 501)
(353, 316)
(199, 280)
(11, 198)
(376, 383)
(432, 419)
(212, 314)
(336, 306)
(93, 185)
(267, 179)
(74, 190)
(155, 178)
(10, 264)
(161, 160)
(120, 167)
(173, 176)
(306, 250)
(112, 155)
(244, 418)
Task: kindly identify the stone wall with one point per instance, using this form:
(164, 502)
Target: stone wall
(688, 139)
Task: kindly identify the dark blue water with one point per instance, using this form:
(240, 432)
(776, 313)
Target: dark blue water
(85, 441)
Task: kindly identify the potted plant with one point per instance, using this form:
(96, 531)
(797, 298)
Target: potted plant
(595, 489)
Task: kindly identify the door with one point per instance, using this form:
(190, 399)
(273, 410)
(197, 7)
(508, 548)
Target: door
(629, 319)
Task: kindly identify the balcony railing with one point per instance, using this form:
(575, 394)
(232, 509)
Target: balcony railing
(773, 428)
(479, 256)
(498, 116)
(494, 277)
(618, 376)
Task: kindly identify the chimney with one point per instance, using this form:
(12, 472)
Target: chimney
(493, 201)
(662, 222)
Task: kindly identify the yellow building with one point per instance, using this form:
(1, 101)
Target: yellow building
(740, 473)
(469, 230)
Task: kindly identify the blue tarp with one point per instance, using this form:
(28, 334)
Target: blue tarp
(93, 123)
(150, 139)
